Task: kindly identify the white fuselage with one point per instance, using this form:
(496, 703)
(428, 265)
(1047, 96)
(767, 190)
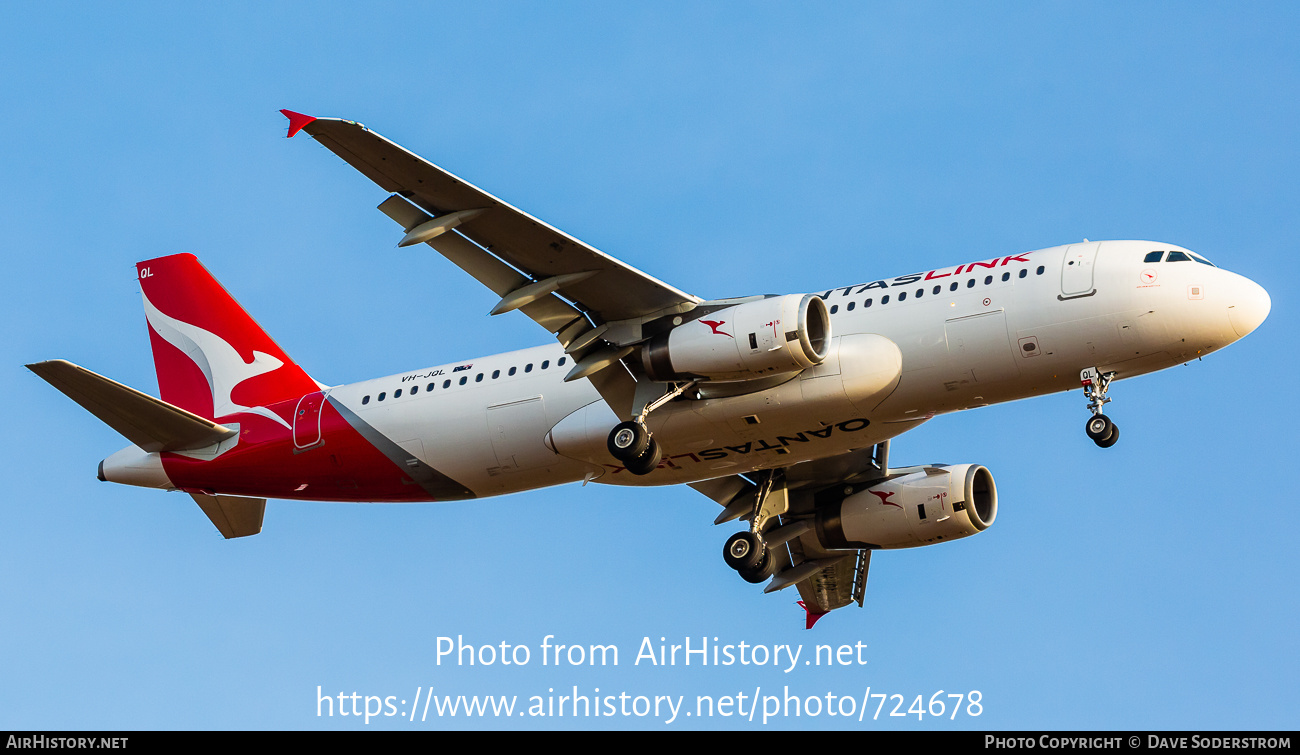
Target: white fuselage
(1014, 327)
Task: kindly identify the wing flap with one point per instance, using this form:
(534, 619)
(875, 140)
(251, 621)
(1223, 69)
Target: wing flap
(829, 587)
(150, 423)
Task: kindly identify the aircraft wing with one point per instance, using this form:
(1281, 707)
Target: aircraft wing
(612, 291)
(826, 580)
(526, 262)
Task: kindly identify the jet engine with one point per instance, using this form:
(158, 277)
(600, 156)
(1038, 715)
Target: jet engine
(769, 336)
(921, 507)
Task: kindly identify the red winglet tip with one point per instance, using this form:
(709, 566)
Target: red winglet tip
(297, 121)
(813, 616)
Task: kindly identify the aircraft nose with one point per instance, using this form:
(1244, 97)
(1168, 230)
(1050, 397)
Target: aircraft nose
(1248, 306)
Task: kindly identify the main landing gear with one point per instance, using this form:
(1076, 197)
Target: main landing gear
(631, 442)
(746, 551)
(749, 555)
(1098, 427)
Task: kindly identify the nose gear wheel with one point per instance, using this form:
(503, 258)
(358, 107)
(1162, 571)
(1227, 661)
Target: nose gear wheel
(1098, 427)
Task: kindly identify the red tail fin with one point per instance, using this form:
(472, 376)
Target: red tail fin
(212, 358)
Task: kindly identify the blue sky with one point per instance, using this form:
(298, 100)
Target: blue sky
(728, 149)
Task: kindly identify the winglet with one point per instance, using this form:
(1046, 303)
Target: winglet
(297, 121)
(813, 616)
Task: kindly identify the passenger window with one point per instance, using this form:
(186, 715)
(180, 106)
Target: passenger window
(496, 374)
(561, 362)
(1006, 277)
(1177, 257)
(512, 371)
(850, 306)
(415, 389)
(381, 396)
(397, 393)
(546, 363)
(953, 287)
(528, 367)
(988, 279)
(430, 387)
(970, 283)
(884, 299)
(463, 379)
(936, 290)
(835, 308)
(446, 384)
(1039, 271)
(1023, 273)
(920, 292)
(902, 296)
(1153, 256)
(365, 401)
(478, 378)
(866, 304)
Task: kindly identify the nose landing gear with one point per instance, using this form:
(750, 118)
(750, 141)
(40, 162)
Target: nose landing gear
(1099, 427)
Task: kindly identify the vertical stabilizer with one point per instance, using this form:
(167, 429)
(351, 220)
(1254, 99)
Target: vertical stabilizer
(212, 358)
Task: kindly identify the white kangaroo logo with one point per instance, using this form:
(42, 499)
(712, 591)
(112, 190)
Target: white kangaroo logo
(220, 362)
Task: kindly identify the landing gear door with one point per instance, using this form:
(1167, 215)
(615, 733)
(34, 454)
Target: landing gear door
(1077, 269)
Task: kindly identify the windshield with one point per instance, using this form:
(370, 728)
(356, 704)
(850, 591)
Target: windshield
(1176, 256)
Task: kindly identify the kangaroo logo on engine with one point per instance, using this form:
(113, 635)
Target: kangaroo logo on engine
(715, 324)
(884, 498)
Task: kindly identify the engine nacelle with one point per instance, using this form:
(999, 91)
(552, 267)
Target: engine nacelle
(920, 508)
(766, 337)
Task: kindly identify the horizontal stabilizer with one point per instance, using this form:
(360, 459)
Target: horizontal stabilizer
(234, 516)
(150, 423)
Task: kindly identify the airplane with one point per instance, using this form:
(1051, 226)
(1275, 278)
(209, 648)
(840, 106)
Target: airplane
(780, 408)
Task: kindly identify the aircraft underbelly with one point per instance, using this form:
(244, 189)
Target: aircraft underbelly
(823, 412)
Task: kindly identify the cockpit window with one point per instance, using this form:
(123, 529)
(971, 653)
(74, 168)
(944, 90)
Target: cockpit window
(1153, 256)
(1178, 257)
(1201, 259)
